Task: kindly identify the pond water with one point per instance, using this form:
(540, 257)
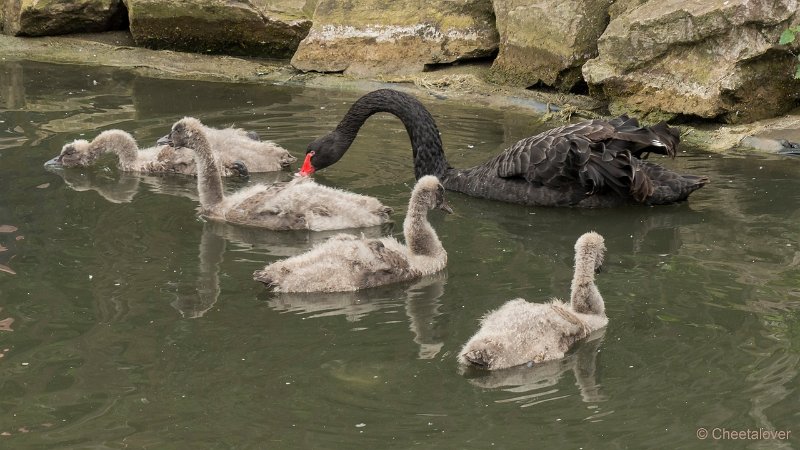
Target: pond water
(126, 321)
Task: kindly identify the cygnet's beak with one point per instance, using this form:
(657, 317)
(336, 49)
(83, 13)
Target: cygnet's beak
(55, 162)
(165, 140)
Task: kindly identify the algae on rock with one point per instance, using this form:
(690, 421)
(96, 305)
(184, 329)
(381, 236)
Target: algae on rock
(546, 41)
(54, 17)
(245, 28)
(717, 59)
(372, 37)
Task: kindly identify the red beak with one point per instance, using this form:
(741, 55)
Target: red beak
(307, 168)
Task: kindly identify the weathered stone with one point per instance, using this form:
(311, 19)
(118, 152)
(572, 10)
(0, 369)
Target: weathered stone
(53, 17)
(619, 7)
(235, 27)
(715, 59)
(547, 41)
(372, 37)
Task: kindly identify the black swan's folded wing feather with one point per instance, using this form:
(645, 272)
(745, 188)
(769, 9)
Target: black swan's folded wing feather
(597, 153)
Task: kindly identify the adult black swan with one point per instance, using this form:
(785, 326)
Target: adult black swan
(594, 163)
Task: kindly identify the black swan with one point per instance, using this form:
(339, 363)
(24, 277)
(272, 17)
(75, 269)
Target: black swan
(348, 263)
(594, 163)
(520, 332)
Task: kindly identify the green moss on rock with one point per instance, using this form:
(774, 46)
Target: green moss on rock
(216, 26)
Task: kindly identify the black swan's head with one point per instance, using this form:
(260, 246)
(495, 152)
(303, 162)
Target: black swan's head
(323, 152)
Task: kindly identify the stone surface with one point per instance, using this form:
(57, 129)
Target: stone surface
(236, 27)
(53, 17)
(716, 59)
(547, 41)
(620, 7)
(372, 37)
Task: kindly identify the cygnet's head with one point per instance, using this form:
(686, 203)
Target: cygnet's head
(592, 245)
(185, 132)
(430, 192)
(77, 153)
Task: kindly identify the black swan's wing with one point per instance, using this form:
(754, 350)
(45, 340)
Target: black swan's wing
(669, 186)
(595, 153)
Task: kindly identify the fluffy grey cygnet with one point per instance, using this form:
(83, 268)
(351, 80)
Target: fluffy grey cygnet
(520, 332)
(228, 145)
(348, 263)
(300, 204)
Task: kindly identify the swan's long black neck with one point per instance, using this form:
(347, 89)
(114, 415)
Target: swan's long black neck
(426, 144)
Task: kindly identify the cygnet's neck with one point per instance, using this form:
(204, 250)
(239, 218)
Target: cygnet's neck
(585, 297)
(420, 236)
(209, 180)
(119, 142)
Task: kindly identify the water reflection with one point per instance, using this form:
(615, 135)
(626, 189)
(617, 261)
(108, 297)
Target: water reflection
(537, 383)
(111, 184)
(5, 325)
(118, 186)
(212, 248)
(9, 240)
(420, 300)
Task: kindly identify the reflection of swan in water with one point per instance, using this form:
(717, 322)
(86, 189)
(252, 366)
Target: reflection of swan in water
(117, 186)
(204, 293)
(421, 301)
(115, 189)
(212, 251)
(535, 383)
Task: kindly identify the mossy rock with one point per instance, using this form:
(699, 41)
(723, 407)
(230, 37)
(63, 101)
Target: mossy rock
(54, 17)
(717, 60)
(218, 26)
(547, 41)
(374, 37)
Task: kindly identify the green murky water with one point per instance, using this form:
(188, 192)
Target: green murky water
(125, 321)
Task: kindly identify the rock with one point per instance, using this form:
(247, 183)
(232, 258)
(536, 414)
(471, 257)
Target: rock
(373, 37)
(235, 27)
(546, 41)
(716, 59)
(620, 7)
(53, 17)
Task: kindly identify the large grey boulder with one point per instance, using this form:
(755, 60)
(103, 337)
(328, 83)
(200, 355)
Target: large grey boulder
(717, 59)
(52, 17)
(235, 27)
(372, 37)
(546, 41)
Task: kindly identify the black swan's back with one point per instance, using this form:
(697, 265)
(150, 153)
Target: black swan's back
(590, 164)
